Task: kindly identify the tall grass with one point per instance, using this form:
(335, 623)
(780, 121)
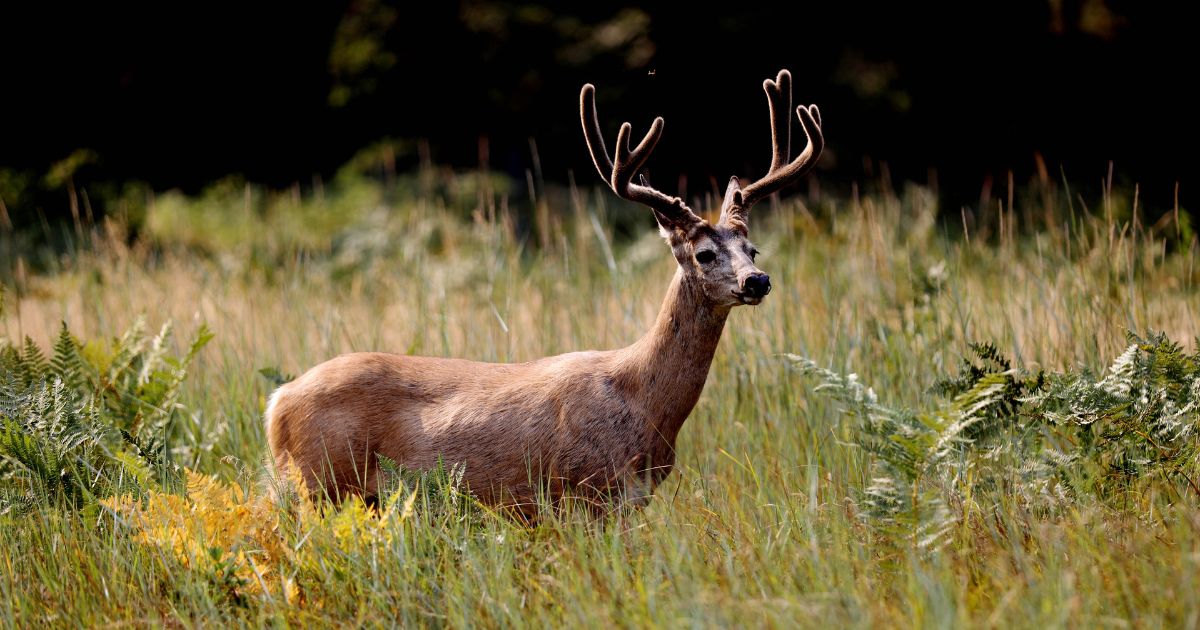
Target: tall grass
(762, 522)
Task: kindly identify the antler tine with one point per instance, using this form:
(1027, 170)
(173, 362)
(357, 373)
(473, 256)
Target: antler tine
(782, 173)
(619, 174)
(779, 93)
(592, 133)
(630, 162)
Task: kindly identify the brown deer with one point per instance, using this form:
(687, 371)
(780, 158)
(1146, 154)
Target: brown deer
(601, 424)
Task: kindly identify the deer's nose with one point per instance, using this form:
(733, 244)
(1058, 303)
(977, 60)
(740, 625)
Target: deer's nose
(756, 285)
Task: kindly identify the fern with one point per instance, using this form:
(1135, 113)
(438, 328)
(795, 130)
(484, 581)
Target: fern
(1040, 438)
(1137, 423)
(439, 492)
(33, 363)
(128, 350)
(92, 420)
(66, 364)
(50, 444)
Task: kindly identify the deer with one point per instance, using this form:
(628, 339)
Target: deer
(597, 425)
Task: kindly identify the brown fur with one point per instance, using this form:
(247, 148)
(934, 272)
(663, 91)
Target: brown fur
(587, 420)
(602, 423)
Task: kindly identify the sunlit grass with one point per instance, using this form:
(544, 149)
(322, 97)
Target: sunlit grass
(758, 525)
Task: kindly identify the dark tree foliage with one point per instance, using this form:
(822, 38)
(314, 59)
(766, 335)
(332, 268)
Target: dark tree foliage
(180, 94)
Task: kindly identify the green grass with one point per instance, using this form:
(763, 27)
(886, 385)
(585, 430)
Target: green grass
(761, 524)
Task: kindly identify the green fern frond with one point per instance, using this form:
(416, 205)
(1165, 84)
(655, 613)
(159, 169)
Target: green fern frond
(66, 363)
(152, 360)
(128, 351)
(33, 361)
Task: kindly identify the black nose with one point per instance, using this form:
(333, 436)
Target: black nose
(756, 285)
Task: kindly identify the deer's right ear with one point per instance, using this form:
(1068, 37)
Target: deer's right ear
(670, 229)
(677, 228)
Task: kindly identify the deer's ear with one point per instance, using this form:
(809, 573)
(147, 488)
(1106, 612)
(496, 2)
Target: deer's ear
(733, 195)
(733, 200)
(668, 235)
(667, 228)
(675, 229)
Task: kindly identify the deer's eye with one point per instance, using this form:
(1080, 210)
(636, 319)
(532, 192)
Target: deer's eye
(705, 256)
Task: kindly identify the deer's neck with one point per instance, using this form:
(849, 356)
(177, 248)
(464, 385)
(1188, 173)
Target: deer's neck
(663, 373)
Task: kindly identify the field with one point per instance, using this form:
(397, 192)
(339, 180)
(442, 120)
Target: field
(788, 505)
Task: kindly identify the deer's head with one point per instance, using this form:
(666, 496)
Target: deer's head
(719, 257)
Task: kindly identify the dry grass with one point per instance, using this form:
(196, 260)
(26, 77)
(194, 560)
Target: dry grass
(757, 526)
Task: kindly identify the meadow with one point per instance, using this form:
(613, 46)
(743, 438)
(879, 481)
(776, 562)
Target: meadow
(844, 466)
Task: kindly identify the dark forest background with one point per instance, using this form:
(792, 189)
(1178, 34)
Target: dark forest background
(178, 95)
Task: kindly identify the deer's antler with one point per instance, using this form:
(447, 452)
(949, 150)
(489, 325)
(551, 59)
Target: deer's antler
(779, 100)
(619, 174)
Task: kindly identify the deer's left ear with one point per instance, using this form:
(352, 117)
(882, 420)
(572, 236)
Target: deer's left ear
(733, 196)
(732, 208)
